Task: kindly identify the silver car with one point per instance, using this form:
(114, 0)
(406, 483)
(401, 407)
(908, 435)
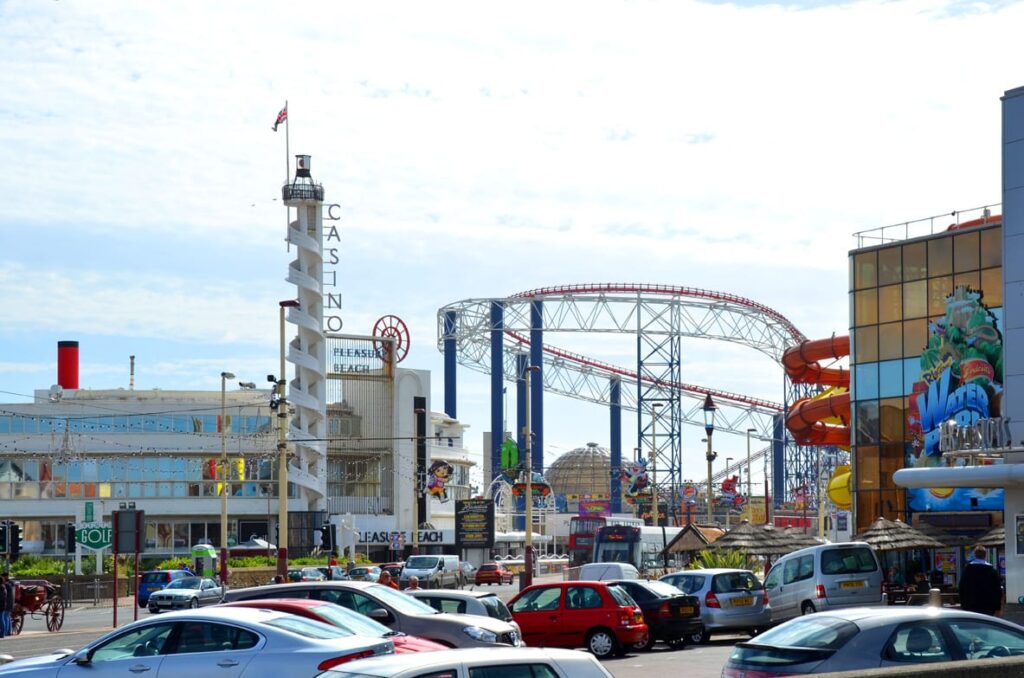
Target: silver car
(187, 592)
(217, 641)
(730, 600)
(481, 603)
(396, 610)
(519, 661)
(868, 638)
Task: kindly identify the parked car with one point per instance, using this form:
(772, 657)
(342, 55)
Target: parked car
(368, 573)
(435, 572)
(394, 569)
(345, 619)
(154, 580)
(187, 592)
(824, 577)
(872, 637)
(467, 602)
(531, 661)
(188, 643)
(598, 616)
(608, 571)
(467, 571)
(334, 573)
(671, 615)
(731, 600)
(396, 610)
(493, 573)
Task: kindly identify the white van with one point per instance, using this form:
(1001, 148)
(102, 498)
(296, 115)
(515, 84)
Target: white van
(824, 577)
(608, 571)
(435, 572)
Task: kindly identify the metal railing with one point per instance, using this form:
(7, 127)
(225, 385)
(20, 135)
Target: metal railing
(919, 228)
(364, 505)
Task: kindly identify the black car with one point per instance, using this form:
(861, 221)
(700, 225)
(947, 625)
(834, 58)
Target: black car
(671, 615)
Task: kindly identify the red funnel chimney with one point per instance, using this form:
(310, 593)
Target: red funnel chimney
(67, 364)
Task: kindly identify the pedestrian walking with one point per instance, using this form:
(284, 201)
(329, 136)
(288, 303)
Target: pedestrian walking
(385, 580)
(414, 584)
(980, 589)
(6, 604)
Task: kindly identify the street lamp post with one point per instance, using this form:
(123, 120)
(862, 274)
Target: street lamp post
(526, 579)
(750, 513)
(420, 433)
(282, 451)
(654, 463)
(728, 509)
(224, 376)
(709, 428)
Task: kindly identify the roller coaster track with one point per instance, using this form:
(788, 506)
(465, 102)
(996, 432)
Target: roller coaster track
(617, 308)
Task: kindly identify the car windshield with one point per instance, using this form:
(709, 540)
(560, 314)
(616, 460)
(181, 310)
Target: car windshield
(496, 608)
(687, 583)
(185, 583)
(307, 627)
(421, 563)
(488, 568)
(812, 631)
(402, 602)
(621, 597)
(155, 577)
(733, 582)
(857, 560)
(351, 621)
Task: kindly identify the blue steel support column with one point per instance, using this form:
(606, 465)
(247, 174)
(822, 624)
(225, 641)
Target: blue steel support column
(778, 460)
(497, 382)
(615, 397)
(537, 384)
(522, 361)
(449, 365)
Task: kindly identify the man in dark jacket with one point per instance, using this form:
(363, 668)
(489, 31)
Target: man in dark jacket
(980, 589)
(6, 605)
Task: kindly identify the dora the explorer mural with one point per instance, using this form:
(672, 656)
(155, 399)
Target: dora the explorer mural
(961, 378)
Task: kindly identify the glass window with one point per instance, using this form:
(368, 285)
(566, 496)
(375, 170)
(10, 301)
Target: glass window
(890, 378)
(890, 265)
(538, 600)
(865, 344)
(918, 644)
(938, 290)
(890, 341)
(915, 337)
(911, 374)
(890, 303)
(867, 467)
(512, 671)
(867, 423)
(891, 417)
(865, 270)
(915, 261)
(582, 598)
(891, 459)
(915, 299)
(970, 280)
(991, 247)
(138, 642)
(865, 307)
(848, 560)
(940, 257)
(865, 381)
(980, 640)
(992, 287)
(966, 252)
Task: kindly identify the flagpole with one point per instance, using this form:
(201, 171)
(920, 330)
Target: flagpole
(287, 167)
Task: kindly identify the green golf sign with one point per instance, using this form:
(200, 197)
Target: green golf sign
(95, 536)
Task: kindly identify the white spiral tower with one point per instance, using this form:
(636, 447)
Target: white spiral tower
(307, 351)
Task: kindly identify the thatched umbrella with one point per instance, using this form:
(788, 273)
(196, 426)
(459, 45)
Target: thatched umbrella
(798, 539)
(994, 538)
(947, 539)
(895, 535)
(753, 540)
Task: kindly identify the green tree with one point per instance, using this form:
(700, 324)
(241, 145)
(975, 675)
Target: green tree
(721, 558)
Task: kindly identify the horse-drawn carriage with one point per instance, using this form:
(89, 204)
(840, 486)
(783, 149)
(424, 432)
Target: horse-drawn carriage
(37, 597)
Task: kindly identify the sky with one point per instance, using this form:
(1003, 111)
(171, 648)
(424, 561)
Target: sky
(475, 150)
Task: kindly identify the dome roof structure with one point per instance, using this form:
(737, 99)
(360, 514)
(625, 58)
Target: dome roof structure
(585, 470)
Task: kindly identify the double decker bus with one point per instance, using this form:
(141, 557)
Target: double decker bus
(641, 547)
(582, 530)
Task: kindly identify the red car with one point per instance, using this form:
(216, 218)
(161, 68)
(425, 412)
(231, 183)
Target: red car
(592, 614)
(493, 573)
(343, 618)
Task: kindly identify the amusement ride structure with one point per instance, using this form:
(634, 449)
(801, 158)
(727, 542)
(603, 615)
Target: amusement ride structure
(505, 338)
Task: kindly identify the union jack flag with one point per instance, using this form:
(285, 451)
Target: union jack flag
(281, 117)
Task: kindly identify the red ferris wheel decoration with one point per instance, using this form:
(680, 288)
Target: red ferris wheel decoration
(392, 327)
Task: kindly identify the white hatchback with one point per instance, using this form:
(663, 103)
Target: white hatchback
(492, 661)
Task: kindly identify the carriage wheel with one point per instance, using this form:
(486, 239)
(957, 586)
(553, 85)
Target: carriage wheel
(17, 621)
(55, 614)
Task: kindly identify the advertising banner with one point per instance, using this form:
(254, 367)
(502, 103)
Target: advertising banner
(474, 523)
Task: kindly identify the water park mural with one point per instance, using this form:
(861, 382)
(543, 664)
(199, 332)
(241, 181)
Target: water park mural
(961, 378)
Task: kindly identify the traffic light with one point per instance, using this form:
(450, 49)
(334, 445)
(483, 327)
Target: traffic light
(14, 530)
(69, 537)
(3, 537)
(327, 538)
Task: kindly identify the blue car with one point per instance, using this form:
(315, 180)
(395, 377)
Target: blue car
(154, 580)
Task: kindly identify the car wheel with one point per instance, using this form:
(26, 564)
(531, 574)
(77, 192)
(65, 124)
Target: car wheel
(646, 644)
(194, 604)
(807, 608)
(700, 637)
(152, 610)
(602, 643)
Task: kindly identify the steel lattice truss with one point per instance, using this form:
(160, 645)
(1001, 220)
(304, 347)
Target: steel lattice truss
(658, 316)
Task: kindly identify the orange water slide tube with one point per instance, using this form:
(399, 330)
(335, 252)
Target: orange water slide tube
(807, 420)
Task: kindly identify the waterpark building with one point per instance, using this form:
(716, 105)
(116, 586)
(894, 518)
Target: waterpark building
(926, 341)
